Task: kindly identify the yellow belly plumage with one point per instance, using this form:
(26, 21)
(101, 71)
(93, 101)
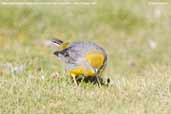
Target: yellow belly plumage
(82, 70)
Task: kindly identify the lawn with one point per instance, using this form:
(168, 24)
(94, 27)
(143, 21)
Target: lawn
(135, 34)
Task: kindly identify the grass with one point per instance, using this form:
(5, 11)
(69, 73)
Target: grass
(136, 36)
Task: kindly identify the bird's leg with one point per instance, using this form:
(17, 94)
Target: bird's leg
(98, 81)
(74, 79)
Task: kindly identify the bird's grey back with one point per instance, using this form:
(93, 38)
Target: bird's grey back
(79, 49)
(84, 47)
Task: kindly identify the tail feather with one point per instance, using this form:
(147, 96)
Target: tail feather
(57, 42)
(60, 44)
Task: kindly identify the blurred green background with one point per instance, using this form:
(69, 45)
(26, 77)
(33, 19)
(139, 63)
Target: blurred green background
(135, 34)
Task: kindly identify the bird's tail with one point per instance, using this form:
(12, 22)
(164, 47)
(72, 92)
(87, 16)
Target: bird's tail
(59, 43)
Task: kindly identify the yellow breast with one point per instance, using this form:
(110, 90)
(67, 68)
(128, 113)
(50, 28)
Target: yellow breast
(95, 58)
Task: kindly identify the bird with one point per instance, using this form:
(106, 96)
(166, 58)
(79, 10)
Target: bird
(82, 59)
